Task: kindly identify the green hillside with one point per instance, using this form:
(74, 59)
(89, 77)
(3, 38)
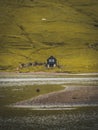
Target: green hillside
(32, 30)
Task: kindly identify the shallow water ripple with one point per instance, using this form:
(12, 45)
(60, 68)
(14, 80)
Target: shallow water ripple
(69, 121)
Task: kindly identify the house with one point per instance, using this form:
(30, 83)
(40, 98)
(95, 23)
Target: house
(51, 62)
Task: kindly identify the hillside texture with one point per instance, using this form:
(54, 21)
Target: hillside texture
(32, 30)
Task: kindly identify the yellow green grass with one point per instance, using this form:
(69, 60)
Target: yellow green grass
(9, 95)
(70, 33)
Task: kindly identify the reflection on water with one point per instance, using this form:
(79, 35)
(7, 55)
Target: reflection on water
(64, 120)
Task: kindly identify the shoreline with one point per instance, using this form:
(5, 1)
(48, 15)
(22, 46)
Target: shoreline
(71, 97)
(53, 107)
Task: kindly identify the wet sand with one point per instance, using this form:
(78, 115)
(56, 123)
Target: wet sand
(71, 96)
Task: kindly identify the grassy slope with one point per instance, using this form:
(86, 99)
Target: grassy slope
(70, 33)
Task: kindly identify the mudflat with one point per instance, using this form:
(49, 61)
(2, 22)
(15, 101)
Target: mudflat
(70, 96)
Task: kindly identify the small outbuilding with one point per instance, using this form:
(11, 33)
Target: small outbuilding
(51, 62)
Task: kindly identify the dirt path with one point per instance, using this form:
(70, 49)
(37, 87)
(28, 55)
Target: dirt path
(42, 73)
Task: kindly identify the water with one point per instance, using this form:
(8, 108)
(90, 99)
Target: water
(85, 118)
(80, 119)
(32, 81)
